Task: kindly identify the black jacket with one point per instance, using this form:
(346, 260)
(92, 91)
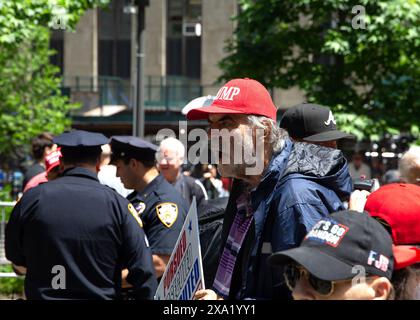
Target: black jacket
(86, 230)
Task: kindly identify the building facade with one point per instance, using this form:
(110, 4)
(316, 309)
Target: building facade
(184, 41)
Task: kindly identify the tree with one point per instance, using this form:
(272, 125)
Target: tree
(30, 98)
(360, 57)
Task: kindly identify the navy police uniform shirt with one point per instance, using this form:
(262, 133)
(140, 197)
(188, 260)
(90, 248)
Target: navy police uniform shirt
(163, 211)
(75, 236)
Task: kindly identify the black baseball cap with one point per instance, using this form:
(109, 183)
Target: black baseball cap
(338, 243)
(311, 123)
(132, 147)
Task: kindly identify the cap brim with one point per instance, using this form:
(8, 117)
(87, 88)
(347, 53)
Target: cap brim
(315, 261)
(200, 102)
(405, 256)
(203, 113)
(329, 136)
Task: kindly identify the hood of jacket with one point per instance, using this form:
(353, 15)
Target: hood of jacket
(325, 166)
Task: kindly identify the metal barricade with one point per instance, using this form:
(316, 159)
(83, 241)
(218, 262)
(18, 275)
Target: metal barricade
(3, 260)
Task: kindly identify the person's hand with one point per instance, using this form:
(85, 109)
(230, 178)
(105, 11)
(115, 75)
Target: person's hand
(206, 295)
(19, 270)
(358, 200)
(206, 175)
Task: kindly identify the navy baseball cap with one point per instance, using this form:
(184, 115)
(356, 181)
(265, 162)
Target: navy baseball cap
(311, 123)
(132, 147)
(340, 242)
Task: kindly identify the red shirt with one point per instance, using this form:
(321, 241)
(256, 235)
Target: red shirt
(38, 179)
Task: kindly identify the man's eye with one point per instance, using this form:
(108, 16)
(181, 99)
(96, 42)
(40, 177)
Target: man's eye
(231, 124)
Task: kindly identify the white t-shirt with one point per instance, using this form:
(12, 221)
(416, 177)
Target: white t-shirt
(107, 176)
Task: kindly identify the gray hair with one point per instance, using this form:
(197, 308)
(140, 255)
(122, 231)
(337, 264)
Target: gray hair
(277, 134)
(409, 165)
(173, 144)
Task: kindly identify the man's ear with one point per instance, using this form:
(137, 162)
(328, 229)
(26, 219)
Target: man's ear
(382, 288)
(61, 166)
(133, 163)
(267, 129)
(98, 165)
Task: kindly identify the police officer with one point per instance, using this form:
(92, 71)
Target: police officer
(74, 236)
(159, 205)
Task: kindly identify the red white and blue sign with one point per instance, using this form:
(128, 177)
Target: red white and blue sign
(184, 272)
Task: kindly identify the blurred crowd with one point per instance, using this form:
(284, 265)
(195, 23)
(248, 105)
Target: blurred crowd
(311, 225)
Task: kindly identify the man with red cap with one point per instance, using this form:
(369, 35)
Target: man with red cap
(52, 163)
(281, 189)
(397, 207)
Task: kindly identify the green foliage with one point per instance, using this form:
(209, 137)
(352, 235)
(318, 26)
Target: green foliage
(5, 195)
(370, 77)
(11, 286)
(30, 100)
(30, 96)
(20, 18)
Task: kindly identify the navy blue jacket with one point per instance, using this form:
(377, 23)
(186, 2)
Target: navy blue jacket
(302, 184)
(87, 229)
(160, 200)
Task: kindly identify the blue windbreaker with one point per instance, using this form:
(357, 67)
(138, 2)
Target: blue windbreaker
(302, 184)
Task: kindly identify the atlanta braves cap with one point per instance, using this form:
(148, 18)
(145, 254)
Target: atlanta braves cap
(311, 123)
(342, 241)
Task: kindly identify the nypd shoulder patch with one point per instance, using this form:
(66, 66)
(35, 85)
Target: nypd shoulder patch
(167, 213)
(134, 214)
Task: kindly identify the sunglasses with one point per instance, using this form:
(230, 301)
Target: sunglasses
(292, 274)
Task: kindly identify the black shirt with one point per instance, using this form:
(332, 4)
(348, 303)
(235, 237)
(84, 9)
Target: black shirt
(86, 228)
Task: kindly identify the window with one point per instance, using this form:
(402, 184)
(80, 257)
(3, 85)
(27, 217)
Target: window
(183, 56)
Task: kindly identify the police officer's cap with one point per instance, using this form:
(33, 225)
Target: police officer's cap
(132, 147)
(80, 138)
(80, 142)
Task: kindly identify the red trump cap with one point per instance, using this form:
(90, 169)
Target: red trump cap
(239, 96)
(397, 206)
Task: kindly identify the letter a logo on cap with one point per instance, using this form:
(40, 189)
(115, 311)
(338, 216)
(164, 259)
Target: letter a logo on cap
(330, 119)
(228, 93)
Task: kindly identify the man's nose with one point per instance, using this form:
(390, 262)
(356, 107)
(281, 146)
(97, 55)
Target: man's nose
(303, 290)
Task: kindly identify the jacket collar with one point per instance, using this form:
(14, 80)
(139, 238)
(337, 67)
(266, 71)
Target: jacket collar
(261, 198)
(273, 173)
(80, 172)
(152, 186)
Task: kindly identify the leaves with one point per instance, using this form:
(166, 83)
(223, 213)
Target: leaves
(30, 97)
(364, 74)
